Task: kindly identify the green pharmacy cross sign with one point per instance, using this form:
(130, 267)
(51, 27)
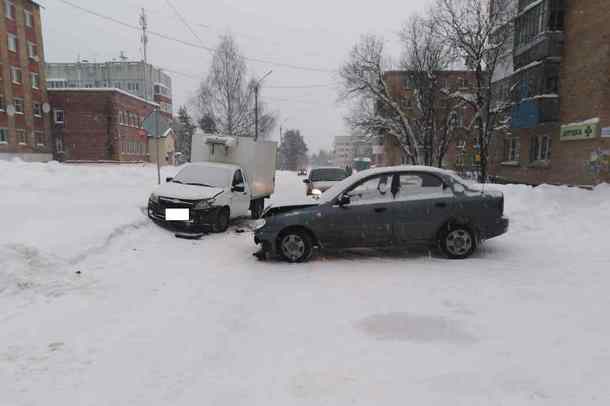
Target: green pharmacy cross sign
(572, 132)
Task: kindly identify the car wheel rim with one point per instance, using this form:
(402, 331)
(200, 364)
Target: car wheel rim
(459, 242)
(293, 247)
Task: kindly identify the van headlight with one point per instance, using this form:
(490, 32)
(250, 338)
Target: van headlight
(154, 198)
(204, 204)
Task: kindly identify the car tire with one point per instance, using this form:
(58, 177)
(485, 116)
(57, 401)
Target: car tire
(458, 242)
(295, 246)
(221, 224)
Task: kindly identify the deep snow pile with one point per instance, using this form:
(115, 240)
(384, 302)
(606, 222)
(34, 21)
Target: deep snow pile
(54, 215)
(153, 320)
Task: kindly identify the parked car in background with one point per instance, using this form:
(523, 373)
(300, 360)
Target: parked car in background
(322, 179)
(403, 206)
(302, 172)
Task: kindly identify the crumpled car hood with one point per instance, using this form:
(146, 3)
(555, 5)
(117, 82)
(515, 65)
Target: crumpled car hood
(187, 192)
(274, 210)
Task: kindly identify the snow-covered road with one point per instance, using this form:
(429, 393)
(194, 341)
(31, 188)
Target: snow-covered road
(154, 320)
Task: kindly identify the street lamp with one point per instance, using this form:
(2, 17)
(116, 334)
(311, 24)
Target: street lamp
(256, 87)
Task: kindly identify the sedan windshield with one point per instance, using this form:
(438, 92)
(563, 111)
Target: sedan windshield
(200, 175)
(328, 175)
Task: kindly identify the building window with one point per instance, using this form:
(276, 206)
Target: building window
(556, 16)
(16, 75)
(22, 138)
(512, 148)
(29, 18)
(3, 135)
(58, 116)
(552, 84)
(540, 148)
(37, 109)
(19, 105)
(40, 138)
(121, 117)
(9, 10)
(2, 106)
(35, 79)
(12, 42)
(32, 50)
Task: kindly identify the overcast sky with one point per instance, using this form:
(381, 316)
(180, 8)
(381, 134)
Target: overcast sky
(314, 33)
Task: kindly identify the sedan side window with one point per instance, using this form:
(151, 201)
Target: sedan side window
(373, 190)
(420, 186)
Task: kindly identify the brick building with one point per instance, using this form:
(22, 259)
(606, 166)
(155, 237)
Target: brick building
(560, 119)
(454, 86)
(102, 124)
(24, 118)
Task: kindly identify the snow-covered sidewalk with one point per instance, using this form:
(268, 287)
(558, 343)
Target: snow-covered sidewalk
(153, 320)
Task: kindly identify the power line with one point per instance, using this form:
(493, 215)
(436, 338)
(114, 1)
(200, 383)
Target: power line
(181, 17)
(190, 44)
(300, 87)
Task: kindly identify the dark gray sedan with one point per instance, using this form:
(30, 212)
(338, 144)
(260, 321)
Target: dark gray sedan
(402, 206)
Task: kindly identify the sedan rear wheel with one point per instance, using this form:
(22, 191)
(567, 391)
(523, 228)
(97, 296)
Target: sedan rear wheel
(458, 242)
(295, 246)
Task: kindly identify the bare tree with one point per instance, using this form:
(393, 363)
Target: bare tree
(375, 109)
(479, 31)
(426, 58)
(225, 98)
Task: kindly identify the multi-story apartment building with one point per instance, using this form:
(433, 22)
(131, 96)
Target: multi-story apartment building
(97, 124)
(24, 107)
(138, 78)
(560, 92)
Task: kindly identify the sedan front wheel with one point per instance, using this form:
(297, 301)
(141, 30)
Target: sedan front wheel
(295, 246)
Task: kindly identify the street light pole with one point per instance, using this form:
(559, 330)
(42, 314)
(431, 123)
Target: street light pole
(256, 88)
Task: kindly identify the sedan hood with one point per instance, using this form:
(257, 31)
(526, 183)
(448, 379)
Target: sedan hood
(285, 208)
(187, 192)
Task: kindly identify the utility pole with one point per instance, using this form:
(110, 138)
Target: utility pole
(157, 136)
(144, 37)
(256, 87)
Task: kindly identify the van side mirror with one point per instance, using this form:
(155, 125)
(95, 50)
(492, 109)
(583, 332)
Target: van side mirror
(239, 188)
(169, 179)
(306, 181)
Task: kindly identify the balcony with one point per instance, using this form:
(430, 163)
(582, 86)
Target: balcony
(534, 111)
(544, 46)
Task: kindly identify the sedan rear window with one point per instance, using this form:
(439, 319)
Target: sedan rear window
(327, 175)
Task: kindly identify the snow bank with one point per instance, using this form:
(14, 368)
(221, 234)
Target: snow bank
(54, 214)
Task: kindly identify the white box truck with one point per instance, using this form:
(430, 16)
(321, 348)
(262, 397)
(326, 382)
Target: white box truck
(228, 177)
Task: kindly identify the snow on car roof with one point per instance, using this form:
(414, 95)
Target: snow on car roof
(399, 168)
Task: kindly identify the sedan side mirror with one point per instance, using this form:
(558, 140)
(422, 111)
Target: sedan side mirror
(169, 179)
(344, 200)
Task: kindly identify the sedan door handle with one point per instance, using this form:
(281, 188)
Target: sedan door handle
(440, 204)
(380, 209)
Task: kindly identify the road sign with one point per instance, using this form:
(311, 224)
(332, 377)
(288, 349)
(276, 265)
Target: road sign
(153, 120)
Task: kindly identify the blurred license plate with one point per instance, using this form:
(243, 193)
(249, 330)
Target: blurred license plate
(177, 214)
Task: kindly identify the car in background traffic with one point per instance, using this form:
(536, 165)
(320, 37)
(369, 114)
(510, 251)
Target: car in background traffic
(322, 179)
(302, 172)
(403, 206)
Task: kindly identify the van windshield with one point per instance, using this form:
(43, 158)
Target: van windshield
(201, 175)
(327, 175)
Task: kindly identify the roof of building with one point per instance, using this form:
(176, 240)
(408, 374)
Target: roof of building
(103, 89)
